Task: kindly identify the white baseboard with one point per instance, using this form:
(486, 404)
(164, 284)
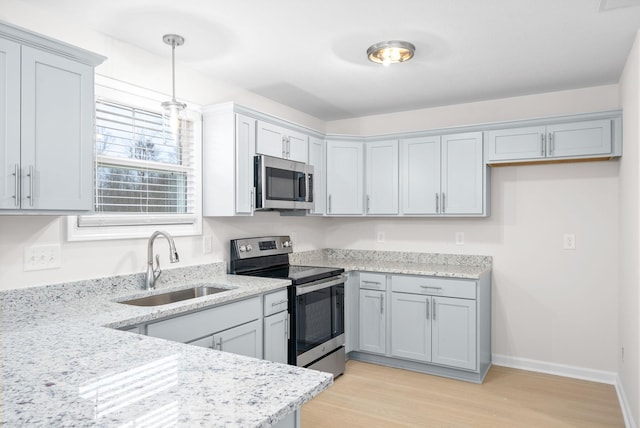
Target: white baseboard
(555, 369)
(601, 376)
(624, 404)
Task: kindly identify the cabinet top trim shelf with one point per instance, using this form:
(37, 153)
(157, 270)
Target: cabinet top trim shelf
(38, 41)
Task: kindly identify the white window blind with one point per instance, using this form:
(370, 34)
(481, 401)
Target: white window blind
(145, 168)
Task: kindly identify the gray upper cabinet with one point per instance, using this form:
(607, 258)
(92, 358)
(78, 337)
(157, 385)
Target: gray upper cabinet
(280, 142)
(46, 90)
(583, 139)
(443, 175)
(229, 141)
(317, 160)
(381, 177)
(463, 174)
(345, 177)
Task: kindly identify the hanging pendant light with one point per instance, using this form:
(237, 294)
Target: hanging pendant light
(173, 107)
(391, 52)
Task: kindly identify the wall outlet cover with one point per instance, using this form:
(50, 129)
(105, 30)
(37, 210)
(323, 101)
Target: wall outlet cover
(40, 257)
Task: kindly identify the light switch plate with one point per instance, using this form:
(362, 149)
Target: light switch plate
(459, 238)
(40, 257)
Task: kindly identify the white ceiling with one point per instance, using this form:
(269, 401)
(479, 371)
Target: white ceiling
(310, 55)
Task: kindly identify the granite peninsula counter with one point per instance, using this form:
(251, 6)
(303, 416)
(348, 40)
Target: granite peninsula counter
(64, 364)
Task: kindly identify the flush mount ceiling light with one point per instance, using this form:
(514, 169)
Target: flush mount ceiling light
(391, 52)
(173, 107)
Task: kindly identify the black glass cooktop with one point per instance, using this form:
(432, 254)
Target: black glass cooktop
(299, 274)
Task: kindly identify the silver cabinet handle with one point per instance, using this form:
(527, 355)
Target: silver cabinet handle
(279, 303)
(444, 205)
(284, 147)
(551, 144)
(368, 203)
(30, 175)
(381, 305)
(16, 190)
(329, 208)
(542, 145)
(428, 287)
(434, 308)
(288, 148)
(428, 304)
(376, 284)
(219, 344)
(437, 203)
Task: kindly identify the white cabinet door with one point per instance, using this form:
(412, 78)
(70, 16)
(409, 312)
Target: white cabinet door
(575, 139)
(57, 129)
(462, 174)
(245, 151)
(420, 166)
(317, 160)
(276, 329)
(516, 143)
(382, 177)
(372, 321)
(454, 332)
(270, 140)
(297, 146)
(345, 177)
(579, 138)
(411, 326)
(9, 124)
(245, 339)
(280, 142)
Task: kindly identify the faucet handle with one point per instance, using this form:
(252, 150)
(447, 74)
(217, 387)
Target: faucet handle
(156, 270)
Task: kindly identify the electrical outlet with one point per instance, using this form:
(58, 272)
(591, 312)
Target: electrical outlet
(206, 244)
(39, 257)
(380, 237)
(459, 238)
(569, 241)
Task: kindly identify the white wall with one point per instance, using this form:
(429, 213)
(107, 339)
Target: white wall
(629, 318)
(549, 304)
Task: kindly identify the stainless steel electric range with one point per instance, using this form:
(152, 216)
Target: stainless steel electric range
(316, 300)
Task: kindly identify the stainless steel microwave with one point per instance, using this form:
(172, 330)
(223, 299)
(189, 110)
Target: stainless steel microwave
(282, 184)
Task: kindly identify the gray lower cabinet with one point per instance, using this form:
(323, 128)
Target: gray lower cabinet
(441, 330)
(276, 327)
(233, 327)
(244, 340)
(373, 313)
(432, 324)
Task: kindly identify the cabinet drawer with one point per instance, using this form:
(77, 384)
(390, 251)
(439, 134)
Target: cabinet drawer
(187, 328)
(275, 302)
(465, 289)
(373, 281)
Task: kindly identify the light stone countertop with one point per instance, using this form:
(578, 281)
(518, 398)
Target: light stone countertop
(407, 263)
(64, 364)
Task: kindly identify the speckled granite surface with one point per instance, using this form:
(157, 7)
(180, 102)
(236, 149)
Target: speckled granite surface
(62, 367)
(432, 264)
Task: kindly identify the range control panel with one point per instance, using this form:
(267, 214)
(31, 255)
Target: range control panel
(257, 247)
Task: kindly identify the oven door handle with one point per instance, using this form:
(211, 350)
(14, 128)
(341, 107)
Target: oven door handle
(318, 285)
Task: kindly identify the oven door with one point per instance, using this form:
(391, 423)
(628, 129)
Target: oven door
(282, 184)
(318, 320)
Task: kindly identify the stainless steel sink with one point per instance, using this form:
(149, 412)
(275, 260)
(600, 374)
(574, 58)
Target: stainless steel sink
(174, 296)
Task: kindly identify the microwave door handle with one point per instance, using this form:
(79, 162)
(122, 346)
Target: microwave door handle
(302, 187)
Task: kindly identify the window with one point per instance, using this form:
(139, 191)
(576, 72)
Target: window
(146, 170)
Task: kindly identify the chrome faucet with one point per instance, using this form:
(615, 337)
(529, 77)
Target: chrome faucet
(154, 273)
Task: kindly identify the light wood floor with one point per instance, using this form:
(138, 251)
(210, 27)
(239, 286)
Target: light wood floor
(369, 395)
